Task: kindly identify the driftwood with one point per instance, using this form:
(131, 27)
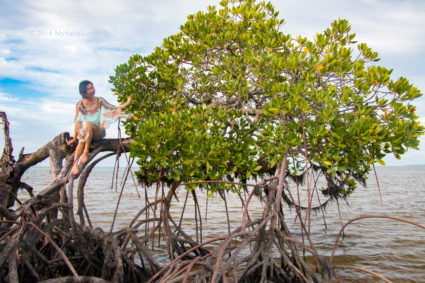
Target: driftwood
(35, 242)
(41, 241)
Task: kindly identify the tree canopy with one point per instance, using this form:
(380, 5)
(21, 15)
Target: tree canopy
(231, 94)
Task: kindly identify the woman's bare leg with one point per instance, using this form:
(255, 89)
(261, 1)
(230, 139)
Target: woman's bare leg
(85, 155)
(92, 131)
(77, 154)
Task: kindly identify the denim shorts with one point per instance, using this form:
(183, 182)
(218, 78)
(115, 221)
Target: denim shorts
(102, 136)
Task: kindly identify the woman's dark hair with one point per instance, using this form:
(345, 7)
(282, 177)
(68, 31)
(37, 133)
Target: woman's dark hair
(83, 88)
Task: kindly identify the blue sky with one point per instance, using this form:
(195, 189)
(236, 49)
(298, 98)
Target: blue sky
(47, 47)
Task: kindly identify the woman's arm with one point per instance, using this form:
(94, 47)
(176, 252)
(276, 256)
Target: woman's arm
(130, 98)
(72, 141)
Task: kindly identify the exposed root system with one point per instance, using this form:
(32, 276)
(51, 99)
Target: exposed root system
(41, 240)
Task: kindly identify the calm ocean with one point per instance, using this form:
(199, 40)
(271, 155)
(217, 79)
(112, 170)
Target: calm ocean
(394, 249)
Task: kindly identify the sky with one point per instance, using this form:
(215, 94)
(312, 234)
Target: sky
(47, 47)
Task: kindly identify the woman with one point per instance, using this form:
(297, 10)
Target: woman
(92, 116)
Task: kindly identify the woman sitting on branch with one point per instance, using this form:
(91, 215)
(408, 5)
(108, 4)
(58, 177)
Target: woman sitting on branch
(92, 116)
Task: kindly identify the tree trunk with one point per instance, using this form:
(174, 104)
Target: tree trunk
(37, 250)
(57, 150)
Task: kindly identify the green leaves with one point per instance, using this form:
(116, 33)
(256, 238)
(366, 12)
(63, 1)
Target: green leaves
(230, 94)
(193, 144)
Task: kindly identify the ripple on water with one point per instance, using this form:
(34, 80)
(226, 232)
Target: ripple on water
(395, 250)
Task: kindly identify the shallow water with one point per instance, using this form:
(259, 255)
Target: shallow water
(393, 249)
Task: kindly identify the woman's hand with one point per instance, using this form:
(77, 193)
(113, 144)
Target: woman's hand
(71, 142)
(130, 98)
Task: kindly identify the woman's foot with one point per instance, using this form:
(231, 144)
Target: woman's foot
(75, 169)
(84, 157)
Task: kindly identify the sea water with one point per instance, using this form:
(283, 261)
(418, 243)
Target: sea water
(393, 249)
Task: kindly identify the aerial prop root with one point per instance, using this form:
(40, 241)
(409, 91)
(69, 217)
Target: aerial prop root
(217, 267)
(360, 218)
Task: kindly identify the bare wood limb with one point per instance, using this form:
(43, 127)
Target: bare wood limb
(8, 148)
(82, 182)
(6, 213)
(370, 216)
(78, 279)
(62, 254)
(13, 270)
(364, 270)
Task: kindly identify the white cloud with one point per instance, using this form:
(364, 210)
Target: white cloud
(4, 52)
(5, 97)
(55, 107)
(390, 27)
(54, 45)
(10, 110)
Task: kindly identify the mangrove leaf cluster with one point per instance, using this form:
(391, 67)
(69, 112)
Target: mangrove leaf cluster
(231, 94)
